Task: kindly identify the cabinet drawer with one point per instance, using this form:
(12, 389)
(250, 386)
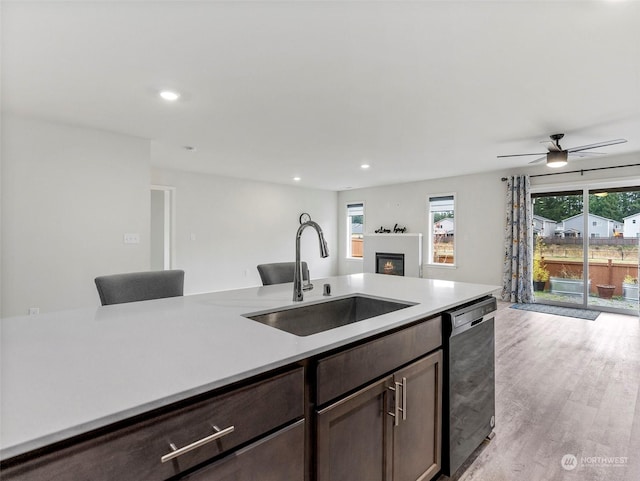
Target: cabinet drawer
(134, 452)
(347, 370)
(279, 457)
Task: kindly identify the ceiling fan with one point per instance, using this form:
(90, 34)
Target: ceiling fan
(557, 156)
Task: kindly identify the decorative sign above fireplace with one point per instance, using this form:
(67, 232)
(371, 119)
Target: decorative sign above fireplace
(390, 264)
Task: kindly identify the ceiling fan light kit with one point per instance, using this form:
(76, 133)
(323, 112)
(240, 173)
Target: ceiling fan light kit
(556, 159)
(556, 156)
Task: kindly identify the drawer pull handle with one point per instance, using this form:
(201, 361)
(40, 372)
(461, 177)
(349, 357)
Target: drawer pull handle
(404, 399)
(195, 445)
(396, 406)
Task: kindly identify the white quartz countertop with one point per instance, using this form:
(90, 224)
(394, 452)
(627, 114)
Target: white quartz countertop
(70, 372)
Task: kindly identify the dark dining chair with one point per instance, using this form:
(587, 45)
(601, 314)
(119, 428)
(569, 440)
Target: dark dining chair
(280, 272)
(140, 286)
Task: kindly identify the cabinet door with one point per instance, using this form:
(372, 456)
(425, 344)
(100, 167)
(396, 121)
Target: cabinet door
(354, 441)
(279, 457)
(417, 436)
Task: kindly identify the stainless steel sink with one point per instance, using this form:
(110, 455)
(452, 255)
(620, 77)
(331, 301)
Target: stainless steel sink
(313, 318)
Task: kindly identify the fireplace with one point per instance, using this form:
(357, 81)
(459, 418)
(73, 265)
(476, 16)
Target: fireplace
(403, 250)
(390, 264)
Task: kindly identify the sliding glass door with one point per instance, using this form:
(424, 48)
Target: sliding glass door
(613, 223)
(559, 250)
(586, 248)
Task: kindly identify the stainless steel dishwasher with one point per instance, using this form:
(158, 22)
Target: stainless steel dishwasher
(469, 380)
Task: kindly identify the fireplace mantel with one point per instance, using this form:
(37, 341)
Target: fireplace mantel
(408, 244)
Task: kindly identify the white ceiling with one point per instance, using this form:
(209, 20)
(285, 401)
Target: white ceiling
(275, 89)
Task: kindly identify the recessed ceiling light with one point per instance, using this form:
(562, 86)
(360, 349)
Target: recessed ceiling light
(365, 166)
(170, 95)
(297, 179)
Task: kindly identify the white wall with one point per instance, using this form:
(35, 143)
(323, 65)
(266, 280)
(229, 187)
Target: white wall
(480, 211)
(1, 198)
(157, 230)
(68, 196)
(479, 222)
(225, 227)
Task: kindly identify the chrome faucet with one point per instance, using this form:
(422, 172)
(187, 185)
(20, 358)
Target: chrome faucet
(324, 252)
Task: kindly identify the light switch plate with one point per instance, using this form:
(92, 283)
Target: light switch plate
(132, 238)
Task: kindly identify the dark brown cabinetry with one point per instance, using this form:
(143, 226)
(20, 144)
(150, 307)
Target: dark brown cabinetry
(352, 368)
(139, 451)
(279, 457)
(416, 438)
(369, 411)
(353, 436)
(389, 430)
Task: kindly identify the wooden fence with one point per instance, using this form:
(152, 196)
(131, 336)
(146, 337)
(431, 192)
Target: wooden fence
(612, 241)
(611, 273)
(356, 247)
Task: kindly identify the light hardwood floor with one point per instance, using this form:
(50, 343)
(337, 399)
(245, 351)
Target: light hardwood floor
(563, 386)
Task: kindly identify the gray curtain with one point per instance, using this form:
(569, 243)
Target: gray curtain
(517, 282)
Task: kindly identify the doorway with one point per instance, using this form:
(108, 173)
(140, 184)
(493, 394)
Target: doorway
(586, 248)
(162, 227)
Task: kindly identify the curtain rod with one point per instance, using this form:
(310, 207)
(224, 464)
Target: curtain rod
(581, 171)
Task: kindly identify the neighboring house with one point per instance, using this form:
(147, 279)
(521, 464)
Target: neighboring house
(598, 226)
(561, 232)
(544, 227)
(632, 226)
(444, 227)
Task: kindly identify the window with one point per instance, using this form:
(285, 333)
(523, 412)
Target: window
(355, 229)
(442, 229)
(594, 223)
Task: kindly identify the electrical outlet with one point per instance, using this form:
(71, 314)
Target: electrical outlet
(34, 311)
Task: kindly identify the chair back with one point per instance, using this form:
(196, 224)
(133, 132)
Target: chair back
(140, 286)
(280, 272)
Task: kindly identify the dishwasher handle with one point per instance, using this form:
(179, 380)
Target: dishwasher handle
(470, 325)
(472, 311)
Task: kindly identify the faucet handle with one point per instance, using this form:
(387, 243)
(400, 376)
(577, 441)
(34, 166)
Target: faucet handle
(306, 285)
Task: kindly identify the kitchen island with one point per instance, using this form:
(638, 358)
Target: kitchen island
(69, 375)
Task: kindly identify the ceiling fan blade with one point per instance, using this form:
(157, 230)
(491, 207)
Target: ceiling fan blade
(595, 146)
(537, 161)
(552, 145)
(521, 155)
(586, 154)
